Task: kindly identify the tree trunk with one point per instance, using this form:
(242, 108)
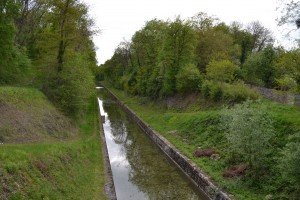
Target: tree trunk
(62, 43)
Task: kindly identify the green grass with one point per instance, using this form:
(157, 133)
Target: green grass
(198, 126)
(27, 116)
(22, 97)
(67, 169)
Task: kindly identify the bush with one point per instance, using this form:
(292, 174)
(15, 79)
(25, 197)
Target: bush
(205, 89)
(188, 79)
(221, 71)
(212, 90)
(248, 130)
(231, 93)
(238, 92)
(290, 161)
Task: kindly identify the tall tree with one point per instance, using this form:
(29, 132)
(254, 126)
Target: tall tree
(261, 36)
(178, 51)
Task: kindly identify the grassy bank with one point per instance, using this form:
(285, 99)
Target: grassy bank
(197, 126)
(69, 167)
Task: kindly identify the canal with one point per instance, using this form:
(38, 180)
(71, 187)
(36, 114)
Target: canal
(140, 169)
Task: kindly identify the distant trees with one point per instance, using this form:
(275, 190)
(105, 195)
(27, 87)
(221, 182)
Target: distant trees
(166, 57)
(261, 36)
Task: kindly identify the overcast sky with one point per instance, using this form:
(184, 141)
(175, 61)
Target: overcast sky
(120, 19)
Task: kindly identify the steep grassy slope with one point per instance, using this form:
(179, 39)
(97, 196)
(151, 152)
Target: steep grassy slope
(197, 126)
(58, 164)
(27, 116)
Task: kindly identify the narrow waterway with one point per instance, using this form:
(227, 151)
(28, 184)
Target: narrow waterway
(140, 170)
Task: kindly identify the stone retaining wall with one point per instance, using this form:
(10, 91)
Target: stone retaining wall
(202, 180)
(278, 96)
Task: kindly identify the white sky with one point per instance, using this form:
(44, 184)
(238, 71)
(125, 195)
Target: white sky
(120, 19)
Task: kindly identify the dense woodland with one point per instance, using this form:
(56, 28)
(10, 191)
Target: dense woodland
(202, 54)
(47, 44)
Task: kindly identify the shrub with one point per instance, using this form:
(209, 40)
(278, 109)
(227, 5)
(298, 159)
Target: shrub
(231, 93)
(216, 92)
(248, 130)
(238, 92)
(188, 79)
(212, 90)
(205, 89)
(290, 161)
(221, 71)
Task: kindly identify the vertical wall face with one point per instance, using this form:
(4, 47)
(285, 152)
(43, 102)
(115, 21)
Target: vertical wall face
(278, 96)
(186, 165)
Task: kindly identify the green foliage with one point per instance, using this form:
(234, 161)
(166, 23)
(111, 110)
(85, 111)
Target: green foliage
(258, 68)
(286, 83)
(287, 70)
(156, 58)
(231, 93)
(188, 79)
(72, 87)
(248, 130)
(212, 90)
(238, 92)
(221, 71)
(14, 63)
(290, 161)
(215, 44)
(177, 51)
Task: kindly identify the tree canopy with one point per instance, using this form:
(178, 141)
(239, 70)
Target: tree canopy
(39, 41)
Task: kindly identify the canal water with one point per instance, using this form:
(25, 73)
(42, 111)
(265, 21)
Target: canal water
(140, 169)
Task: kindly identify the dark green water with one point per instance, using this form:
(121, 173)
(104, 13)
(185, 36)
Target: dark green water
(140, 170)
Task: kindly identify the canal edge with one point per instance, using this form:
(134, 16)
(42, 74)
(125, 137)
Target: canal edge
(189, 168)
(109, 181)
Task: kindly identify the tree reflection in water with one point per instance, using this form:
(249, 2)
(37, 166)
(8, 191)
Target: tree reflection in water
(150, 170)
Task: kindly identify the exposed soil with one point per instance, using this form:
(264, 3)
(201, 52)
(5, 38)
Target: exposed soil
(204, 152)
(236, 170)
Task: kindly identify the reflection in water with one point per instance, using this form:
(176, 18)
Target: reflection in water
(140, 170)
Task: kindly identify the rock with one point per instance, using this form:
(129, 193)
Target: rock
(215, 157)
(204, 152)
(236, 170)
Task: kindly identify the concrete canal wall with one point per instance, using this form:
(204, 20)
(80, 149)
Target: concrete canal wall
(202, 180)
